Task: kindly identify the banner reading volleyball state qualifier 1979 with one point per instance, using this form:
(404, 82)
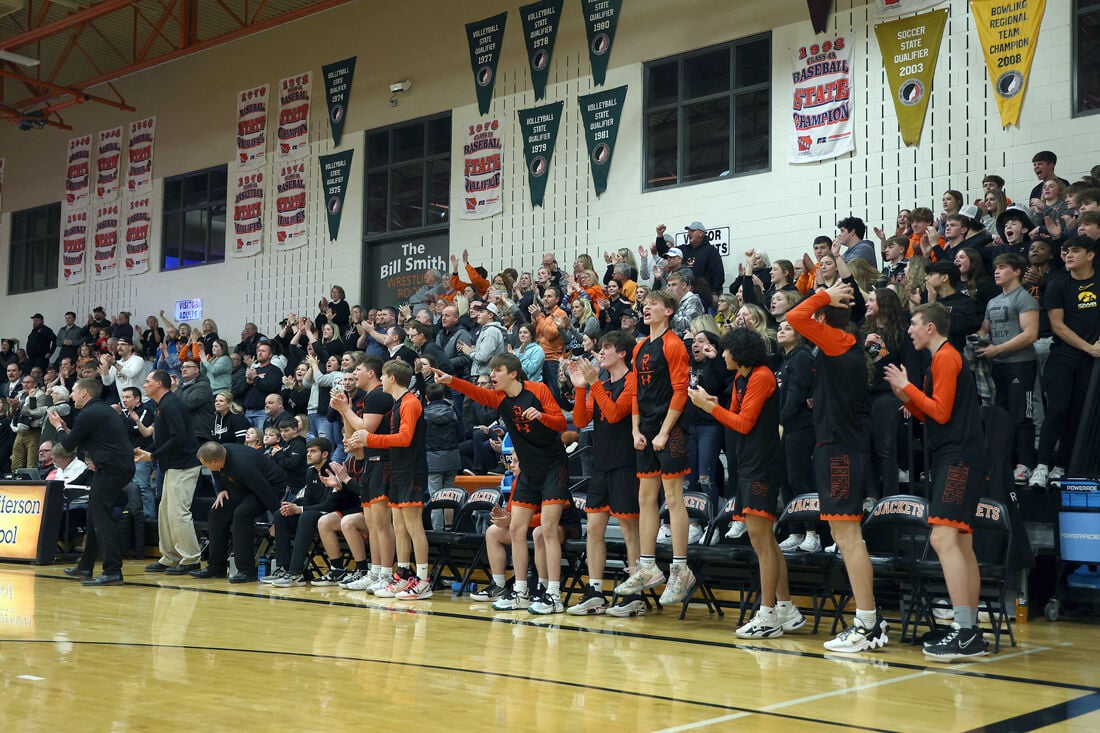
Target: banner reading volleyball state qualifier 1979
(822, 105)
(1008, 31)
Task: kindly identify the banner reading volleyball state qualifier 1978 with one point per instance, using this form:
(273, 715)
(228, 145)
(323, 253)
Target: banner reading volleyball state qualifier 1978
(139, 172)
(1008, 31)
(822, 105)
(290, 205)
(74, 244)
(910, 48)
(139, 216)
(252, 127)
(482, 179)
(248, 214)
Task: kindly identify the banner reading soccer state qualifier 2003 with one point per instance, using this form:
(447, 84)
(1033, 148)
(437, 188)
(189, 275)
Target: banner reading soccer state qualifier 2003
(822, 106)
(482, 178)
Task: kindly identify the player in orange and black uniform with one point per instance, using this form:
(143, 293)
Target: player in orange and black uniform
(662, 369)
(840, 456)
(948, 405)
(614, 487)
(754, 413)
(406, 482)
(535, 423)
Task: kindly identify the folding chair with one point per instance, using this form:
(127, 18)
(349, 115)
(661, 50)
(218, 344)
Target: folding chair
(574, 554)
(441, 542)
(814, 574)
(470, 541)
(724, 564)
(896, 533)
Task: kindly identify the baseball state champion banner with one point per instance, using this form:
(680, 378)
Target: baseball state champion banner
(108, 164)
(601, 17)
(106, 241)
(293, 130)
(485, 37)
(74, 243)
(600, 114)
(337, 94)
(482, 179)
(290, 206)
(139, 172)
(78, 165)
(248, 214)
(888, 8)
(539, 126)
(1008, 31)
(139, 217)
(335, 173)
(252, 127)
(910, 48)
(540, 29)
(822, 106)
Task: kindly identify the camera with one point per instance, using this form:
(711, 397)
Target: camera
(978, 341)
(874, 350)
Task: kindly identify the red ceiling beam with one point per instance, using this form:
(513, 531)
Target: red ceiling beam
(58, 89)
(81, 16)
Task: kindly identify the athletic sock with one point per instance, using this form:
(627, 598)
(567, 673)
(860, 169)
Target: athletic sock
(337, 564)
(680, 562)
(647, 561)
(867, 618)
(543, 582)
(553, 588)
(597, 585)
(499, 581)
(965, 617)
(783, 605)
(422, 570)
(767, 612)
(378, 571)
(521, 586)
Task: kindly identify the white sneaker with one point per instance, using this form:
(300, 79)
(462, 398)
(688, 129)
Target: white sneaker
(833, 550)
(789, 618)
(545, 604)
(695, 533)
(639, 580)
(416, 590)
(761, 626)
(791, 543)
(664, 534)
(513, 600)
(1057, 473)
(396, 585)
(1039, 476)
(812, 543)
(736, 530)
(858, 638)
(379, 584)
(681, 583)
(628, 606)
(593, 603)
(366, 581)
(270, 579)
(1021, 474)
(289, 580)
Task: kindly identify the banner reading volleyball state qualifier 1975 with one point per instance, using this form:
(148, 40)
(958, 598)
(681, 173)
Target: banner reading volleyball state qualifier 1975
(910, 48)
(822, 105)
(1008, 31)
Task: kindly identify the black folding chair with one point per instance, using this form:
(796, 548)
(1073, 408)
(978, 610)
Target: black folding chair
(896, 534)
(814, 574)
(725, 564)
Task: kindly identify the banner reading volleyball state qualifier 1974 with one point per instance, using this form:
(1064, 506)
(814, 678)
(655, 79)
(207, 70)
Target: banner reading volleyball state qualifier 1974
(822, 105)
(910, 48)
(1008, 31)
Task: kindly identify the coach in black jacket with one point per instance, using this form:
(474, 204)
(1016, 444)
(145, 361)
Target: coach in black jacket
(249, 484)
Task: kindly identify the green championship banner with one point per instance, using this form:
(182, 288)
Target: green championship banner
(600, 114)
(485, 37)
(337, 93)
(910, 47)
(335, 174)
(539, 126)
(1008, 31)
(540, 28)
(601, 17)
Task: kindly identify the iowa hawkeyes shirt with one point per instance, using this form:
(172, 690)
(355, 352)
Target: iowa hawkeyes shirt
(1079, 301)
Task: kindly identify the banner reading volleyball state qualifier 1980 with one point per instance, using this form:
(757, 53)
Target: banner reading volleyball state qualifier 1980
(106, 241)
(248, 214)
(482, 181)
(108, 164)
(139, 172)
(74, 244)
(78, 166)
(910, 48)
(139, 216)
(1008, 31)
(822, 105)
(252, 127)
(293, 128)
(290, 205)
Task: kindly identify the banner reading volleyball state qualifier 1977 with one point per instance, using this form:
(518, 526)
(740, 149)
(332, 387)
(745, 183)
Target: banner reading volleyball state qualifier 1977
(910, 48)
(822, 105)
(1008, 31)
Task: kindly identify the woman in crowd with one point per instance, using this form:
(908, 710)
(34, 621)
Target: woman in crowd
(530, 354)
(583, 320)
(994, 203)
(299, 390)
(151, 337)
(973, 280)
(331, 341)
(952, 203)
(885, 338)
(230, 424)
(705, 434)
(217, 366)
(795, 381)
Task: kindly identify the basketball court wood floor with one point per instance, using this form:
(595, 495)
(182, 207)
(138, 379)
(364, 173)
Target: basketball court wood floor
(162, 654)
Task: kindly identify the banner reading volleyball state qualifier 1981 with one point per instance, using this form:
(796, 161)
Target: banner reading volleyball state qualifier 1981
(108, 164)
(822, 106)
(106, 241)
(910, 48)
(139, 216)
(74, 245)
(293, 128)
(252, 127)
(290, 205)
(482, 180)
(139, 172)
(1008, 31)
(248, 214)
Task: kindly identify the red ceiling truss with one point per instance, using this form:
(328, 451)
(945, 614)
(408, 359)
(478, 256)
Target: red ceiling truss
(83, 45)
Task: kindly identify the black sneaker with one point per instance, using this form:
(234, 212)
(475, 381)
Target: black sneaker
(332, 577)
(958, 644)
(487, 594)
(935, 636)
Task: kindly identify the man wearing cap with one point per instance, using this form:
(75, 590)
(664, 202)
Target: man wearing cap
(673, 262)
(705, 262)
(1013, 225)
(97, 320)
(629, 323)
(40, 343)
(128, 370)
(491, 337)
(942, 283)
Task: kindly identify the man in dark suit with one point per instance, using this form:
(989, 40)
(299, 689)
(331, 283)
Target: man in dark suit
(249, 484)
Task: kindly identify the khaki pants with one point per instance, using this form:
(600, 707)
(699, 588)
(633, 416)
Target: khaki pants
(179, 545)
(24, 454)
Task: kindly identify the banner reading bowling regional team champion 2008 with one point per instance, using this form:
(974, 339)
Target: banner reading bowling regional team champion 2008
(910, 48)
(822, 105)
(1008, 31)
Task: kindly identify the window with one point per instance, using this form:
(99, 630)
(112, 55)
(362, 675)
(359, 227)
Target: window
(35, 249)
(408, 176)
(194, 219)
(708, 113)
(1086, 58)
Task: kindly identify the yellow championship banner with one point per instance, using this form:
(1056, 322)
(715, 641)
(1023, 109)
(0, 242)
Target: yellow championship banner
(1008, 31)
(910, 48)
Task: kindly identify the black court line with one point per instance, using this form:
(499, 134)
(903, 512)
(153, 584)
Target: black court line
(1057, 713)
(409, 609)
(477, 672)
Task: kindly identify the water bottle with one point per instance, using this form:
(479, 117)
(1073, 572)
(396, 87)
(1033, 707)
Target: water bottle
(506, 483)
(261, 568)
(1021, 608)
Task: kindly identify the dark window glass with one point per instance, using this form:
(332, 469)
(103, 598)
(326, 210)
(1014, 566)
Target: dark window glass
(1087, 58)
(194, 219)
(662, 136)
(439, 192)
(753, 115)
(754, 63)
(407, 201)
(707, 74)
(377, 201)
(378, 149)
(706, 140)
(663, 86)
(408, 176)
(439, 136)
(35, 253)
(408, 143)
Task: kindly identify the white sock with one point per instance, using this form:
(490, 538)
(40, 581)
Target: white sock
(422, 570)
(499, 581)
(783, 605)
(767, 611)
(596, 584)
(521, 587)
(867, 618)
(543, 582)
(553, 587)
(378, 571)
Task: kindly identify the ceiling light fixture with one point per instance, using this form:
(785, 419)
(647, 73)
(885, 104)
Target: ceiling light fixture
(17, 58)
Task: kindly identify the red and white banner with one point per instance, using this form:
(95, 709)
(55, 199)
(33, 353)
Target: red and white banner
(252, 127)
(139, 218)
(108, 164)
(74, 245)
(248, 215)
(482, 177)
(78, 167)
(106, 241)
(290, 205)
(293, 130)
(139, 172)
(822, 104)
